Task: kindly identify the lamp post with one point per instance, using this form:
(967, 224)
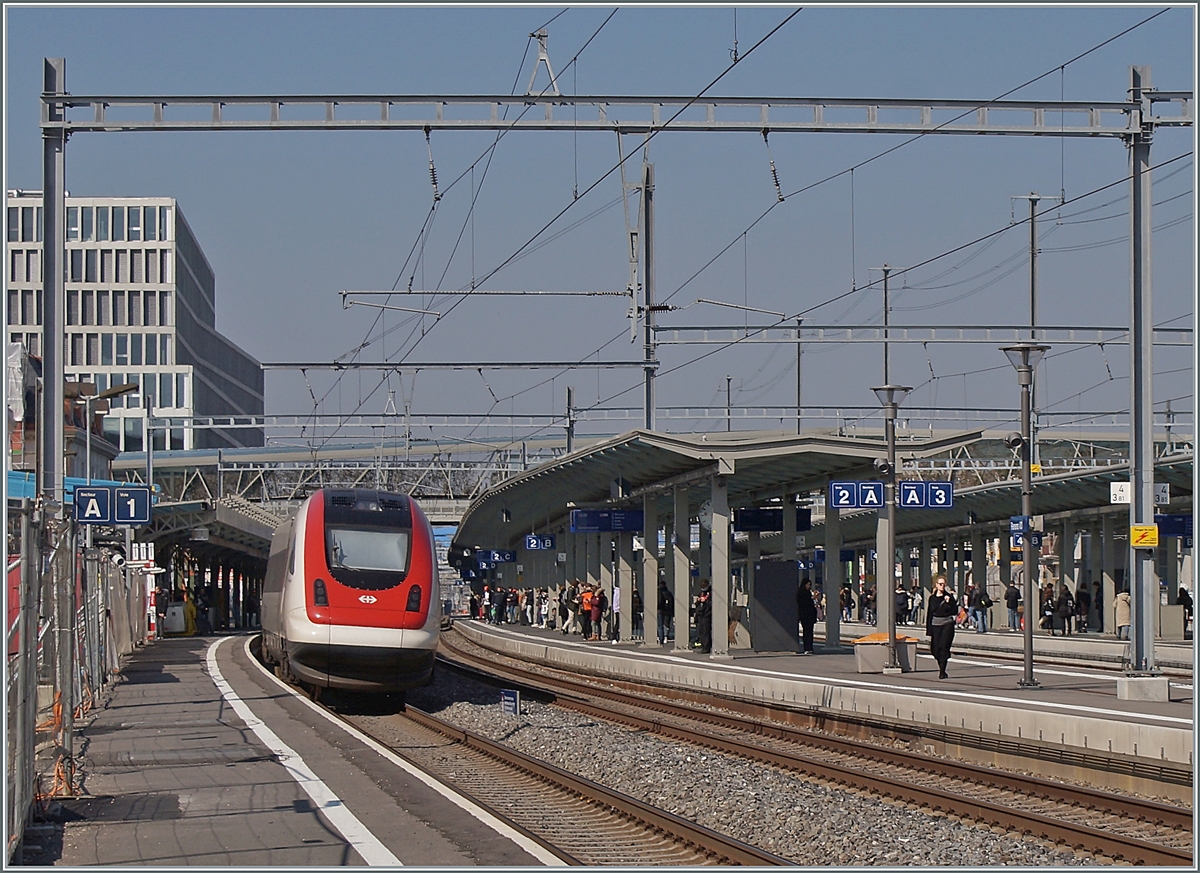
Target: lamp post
(1024, 356)
(891, 396)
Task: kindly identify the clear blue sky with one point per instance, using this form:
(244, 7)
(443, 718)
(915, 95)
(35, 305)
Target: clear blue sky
(287, 220)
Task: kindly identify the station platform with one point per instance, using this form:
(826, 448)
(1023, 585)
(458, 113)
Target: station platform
(1075, 708)
(202, 758)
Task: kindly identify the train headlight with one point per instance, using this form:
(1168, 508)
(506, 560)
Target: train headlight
(320, 597)
(414, 599)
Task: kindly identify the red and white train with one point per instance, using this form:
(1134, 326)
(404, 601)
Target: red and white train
(350, 598)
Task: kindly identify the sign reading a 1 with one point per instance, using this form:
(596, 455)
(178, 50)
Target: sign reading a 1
(131, 505)
(93, 506)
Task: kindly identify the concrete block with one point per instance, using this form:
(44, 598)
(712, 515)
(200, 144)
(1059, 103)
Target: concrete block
(1143, 688)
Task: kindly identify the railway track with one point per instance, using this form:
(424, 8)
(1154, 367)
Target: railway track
(584, 823)
(1085, 819)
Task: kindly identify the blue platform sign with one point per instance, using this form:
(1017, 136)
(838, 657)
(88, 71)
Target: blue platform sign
(607, 520)
(501, 556)
(1035, 539)
(1173, 525)
(510, 701)
(93, 505)
(1020, 524)
(131, 505)
(535, 542)
(843, 495)
(870, 495)
(941, 494)
(913, 495)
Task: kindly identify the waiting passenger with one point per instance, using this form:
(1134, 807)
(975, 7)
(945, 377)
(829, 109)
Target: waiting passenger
(1012, 599)
(1123, 606)
(704, 618)
(808, 614)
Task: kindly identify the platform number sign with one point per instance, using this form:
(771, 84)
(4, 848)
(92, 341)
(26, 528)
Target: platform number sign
(855, 495)
(93, 505)
(941, 494)
(913, 494)
(131, 505)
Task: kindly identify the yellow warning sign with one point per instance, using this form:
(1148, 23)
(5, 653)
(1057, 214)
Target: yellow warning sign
(1143, 536)
(1035, 468)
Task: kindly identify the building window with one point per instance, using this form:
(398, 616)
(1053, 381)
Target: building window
(101, 383)
(135, 308)
(33, 266)
(181, 389)
(90, 257)
(122, 265)
(119, 308)
(135, 223)
(166, 382)
(164, 223)
(164, 275)
(72, 224)
(14, 224)
(14, 306)
(151, 349)
(27, 309)
(33, 343)
(151, 267)
(122, 350)
(86, 215)
(150, 308)
(72, 307)
(89, 308)
(101, 223)
(133, 435)
(151, 222)
(118, 223)
(137, 262)
(177, 439)
(76, 265)
(111, 429)
(135, 349)
(17, 266)
(27, 223)
(106, 266)
(38, 295)
(165, 302)
(93, 349)
(76, 350)
(164, 349)
(106, 351)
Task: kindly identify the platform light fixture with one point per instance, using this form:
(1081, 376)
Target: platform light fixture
(1025, 356)
(891, 396)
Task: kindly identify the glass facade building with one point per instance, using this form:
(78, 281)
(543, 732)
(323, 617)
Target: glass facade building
(140, 307)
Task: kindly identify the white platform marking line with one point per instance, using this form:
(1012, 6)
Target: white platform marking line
(375, 853)
(937, 692)
(536, 850)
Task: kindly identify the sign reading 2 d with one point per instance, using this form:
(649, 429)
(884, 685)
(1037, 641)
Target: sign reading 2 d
(855, 495)
(93, 506)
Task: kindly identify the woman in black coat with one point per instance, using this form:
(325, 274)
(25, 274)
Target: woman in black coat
(939, 623)
(808, 613)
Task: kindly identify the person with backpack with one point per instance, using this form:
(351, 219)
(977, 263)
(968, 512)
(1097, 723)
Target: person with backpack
(666, 612)
(1064, 610)
(1012, 600)
(980, 604)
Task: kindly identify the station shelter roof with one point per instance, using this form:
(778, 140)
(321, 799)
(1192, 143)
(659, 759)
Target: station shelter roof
(1083, 493)
(622, 471)
(229, 531)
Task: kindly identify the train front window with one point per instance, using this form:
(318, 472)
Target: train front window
(371, 551)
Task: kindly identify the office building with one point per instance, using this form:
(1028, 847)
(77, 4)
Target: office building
(140, 307)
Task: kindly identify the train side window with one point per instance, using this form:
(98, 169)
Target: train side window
(292, 557)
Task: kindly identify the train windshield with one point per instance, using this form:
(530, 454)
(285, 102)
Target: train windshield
(370, 551)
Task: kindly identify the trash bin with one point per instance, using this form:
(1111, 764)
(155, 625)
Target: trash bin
(173, 620)
(871, 653)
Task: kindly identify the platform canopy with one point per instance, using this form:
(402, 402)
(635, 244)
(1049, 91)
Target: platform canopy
(991, 505)
(621, 472)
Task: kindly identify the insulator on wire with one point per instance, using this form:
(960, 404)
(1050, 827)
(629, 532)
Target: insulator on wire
(775, 177)
(432, 168)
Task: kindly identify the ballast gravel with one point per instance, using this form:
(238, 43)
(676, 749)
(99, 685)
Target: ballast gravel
(807, 822)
